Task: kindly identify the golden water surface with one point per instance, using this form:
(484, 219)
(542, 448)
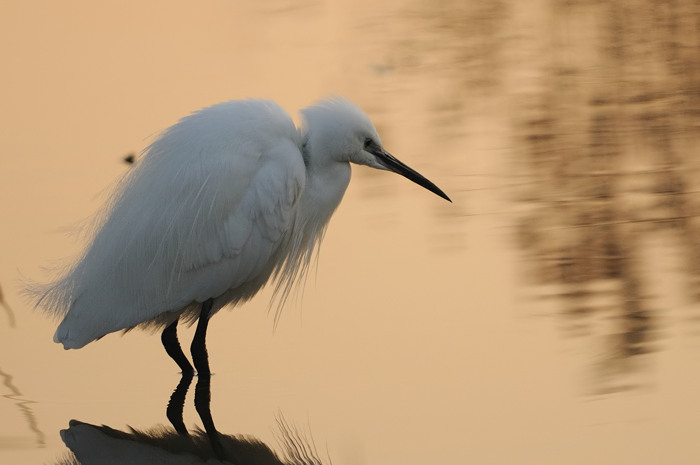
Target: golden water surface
(548, 316)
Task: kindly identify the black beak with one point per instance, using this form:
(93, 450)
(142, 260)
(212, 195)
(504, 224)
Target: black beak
(392, 164)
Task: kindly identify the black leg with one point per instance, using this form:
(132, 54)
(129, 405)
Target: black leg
(202, 392)
(199, 343)
(172, 347)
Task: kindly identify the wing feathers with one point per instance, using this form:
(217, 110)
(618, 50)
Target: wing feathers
(205, 210)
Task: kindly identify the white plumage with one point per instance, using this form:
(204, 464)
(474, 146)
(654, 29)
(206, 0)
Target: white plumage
(226, 199)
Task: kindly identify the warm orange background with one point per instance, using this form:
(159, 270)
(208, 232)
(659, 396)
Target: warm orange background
(548, 315)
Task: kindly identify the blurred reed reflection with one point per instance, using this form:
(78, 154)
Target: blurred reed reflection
(8, 310)
(37, 437)
(91, 444)
(24, 406)
(454, 50)
(607, 145)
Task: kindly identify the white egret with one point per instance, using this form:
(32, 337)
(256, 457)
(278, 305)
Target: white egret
(222, 202)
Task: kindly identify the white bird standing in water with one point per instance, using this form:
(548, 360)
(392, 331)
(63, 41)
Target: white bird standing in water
(224, 201)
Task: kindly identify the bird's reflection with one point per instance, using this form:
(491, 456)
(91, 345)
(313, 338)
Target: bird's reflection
(202, 402)
(92, 444)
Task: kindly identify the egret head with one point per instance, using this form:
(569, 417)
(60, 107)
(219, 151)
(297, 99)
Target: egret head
(339, 131)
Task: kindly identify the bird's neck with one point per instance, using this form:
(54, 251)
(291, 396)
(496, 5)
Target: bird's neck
(323, 191)
(325, 186)
(326, 182)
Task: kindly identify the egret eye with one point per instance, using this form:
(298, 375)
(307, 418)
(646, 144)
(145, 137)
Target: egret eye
(368, 143)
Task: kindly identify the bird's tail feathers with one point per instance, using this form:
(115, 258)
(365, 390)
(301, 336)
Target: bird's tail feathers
(55, 297)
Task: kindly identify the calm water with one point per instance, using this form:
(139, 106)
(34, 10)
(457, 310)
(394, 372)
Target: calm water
(549, 315)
